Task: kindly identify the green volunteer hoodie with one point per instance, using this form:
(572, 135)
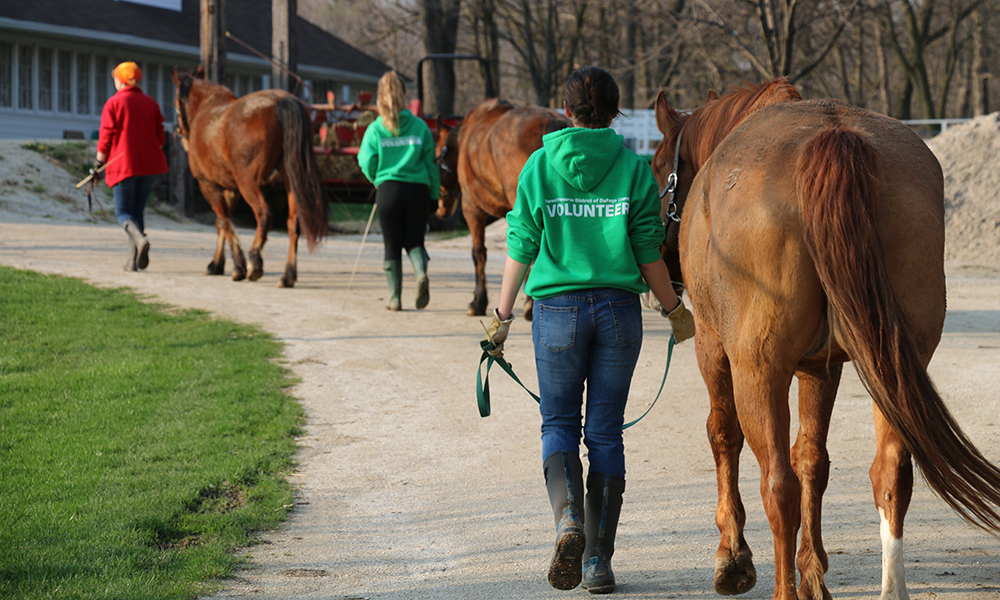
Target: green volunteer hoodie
(407, 157)
(587, 214)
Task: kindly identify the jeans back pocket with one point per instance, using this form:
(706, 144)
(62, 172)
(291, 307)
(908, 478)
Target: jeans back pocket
(556, 326)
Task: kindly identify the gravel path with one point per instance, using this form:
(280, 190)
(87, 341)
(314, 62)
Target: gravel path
(405, 492)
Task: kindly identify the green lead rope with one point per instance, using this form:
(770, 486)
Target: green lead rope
(483, 379)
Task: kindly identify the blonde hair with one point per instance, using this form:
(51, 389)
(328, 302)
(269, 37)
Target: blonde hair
(391, 100)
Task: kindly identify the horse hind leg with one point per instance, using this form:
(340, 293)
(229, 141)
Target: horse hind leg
(477, 228)
(291, 265)
(255, 197)
(811, 462)
(892, 485)
(734, 569)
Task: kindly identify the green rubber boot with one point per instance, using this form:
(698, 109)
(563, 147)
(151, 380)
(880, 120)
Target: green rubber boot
(603, 507)
(418, 258)
(394, 275)
(564, 481)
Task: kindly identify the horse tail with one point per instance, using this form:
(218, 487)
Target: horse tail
(301, 171)
(838, 182)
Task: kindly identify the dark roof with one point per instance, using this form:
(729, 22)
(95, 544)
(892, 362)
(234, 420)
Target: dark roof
(248, 20)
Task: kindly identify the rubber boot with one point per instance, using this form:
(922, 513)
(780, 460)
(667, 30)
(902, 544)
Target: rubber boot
(604, 506)
(564, 481)
(394, 275)
(418, 258)
(140, 241)
(132, 252)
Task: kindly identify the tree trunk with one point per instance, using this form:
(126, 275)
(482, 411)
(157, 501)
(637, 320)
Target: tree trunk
(980, 72)
(441, 37)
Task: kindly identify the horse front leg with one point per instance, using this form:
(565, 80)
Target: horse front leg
(811, 461)
(477, 227)
(254, 196)
(760, 389)
(892, 484)
(291, 265)
(734, 570)
(214, 196)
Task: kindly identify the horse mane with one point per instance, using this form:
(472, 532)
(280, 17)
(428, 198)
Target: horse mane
(719, 116)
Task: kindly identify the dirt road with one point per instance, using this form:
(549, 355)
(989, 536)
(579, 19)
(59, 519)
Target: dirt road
(405, 492)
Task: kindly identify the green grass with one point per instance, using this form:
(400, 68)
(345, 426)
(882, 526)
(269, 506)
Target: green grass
(138, 447)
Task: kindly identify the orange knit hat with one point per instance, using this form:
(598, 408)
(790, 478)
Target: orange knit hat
(128, 73)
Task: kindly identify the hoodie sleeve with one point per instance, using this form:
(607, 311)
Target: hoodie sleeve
(524, 224)
(368, 153)
(646, 232)
(433, 171)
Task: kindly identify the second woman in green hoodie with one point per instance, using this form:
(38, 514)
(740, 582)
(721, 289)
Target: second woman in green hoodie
(397, 156)
(587, 216)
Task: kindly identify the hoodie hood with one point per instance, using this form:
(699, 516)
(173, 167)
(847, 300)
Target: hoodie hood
(582, 156)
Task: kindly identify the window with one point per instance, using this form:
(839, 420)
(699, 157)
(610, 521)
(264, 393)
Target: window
(65, 81)
(25, 77)
(6, 74)
(45, 79)
(167, 4)
(101, 82)
(151, 81)
(83, 84)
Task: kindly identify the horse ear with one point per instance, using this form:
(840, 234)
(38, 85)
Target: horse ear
(177, 80)
(199, 73)
(712, 95)
(666, 116)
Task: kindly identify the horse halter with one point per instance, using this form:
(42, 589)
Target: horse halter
(440, 159)
(672, 182)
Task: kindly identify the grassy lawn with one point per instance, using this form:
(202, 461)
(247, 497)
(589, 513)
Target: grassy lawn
(138, 446)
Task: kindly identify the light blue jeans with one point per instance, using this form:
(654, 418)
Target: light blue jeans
(130, 198)
(588, 336)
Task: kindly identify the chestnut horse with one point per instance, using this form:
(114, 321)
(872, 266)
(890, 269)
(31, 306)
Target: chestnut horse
(236, 146)
(813, 234)
(481, 159)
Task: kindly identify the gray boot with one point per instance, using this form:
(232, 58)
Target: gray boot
(604, 506)
(394, 275)
(564, 481)
(418, 258)
(140, 241)
(130, 261)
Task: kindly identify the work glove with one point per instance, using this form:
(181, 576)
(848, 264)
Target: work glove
(95, 171)
(681, 321)
(497, 334)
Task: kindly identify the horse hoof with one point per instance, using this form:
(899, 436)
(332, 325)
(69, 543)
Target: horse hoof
(285, 284)
(475, 311)
(213, 269)
(239, 275)
(734, 575)
(255, 275)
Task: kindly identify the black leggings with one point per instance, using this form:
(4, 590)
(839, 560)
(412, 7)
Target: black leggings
(402, 213)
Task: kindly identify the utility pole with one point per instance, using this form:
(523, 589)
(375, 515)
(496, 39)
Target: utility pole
(284, 43)
(213, 40)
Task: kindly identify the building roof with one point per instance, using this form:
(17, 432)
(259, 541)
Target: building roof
(248, 20)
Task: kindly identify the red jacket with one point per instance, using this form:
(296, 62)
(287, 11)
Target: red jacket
(132, 125)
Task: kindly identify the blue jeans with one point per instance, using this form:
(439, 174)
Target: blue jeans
(130, 198)
(591, 336)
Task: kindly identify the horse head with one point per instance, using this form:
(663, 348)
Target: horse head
(446, 150)
(183, 82)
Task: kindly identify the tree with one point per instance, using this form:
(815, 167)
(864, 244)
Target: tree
(441, 18)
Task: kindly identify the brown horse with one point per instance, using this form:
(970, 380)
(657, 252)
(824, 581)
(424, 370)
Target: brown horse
(813, 234)
(235, 147)
(481, 159)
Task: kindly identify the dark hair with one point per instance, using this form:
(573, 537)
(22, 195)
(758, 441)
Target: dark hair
(592, 97)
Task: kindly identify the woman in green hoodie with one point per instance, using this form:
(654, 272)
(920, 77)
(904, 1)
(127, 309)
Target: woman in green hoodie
(587, 215)
(397, 156)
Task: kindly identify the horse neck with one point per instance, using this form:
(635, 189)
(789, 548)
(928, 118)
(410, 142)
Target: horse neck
(204, 96)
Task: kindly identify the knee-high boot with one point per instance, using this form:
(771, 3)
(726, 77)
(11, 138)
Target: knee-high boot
(564, 481)
(141, 243)
(418, 258)
(604, 506)
(394, 275)
(132, 252)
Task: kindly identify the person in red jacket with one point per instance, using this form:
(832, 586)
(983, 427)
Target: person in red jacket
(131, 144)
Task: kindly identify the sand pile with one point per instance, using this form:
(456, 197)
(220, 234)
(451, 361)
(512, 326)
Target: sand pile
(970, 157)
